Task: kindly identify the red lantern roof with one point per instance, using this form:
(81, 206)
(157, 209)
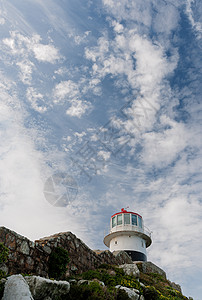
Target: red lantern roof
(124, 211)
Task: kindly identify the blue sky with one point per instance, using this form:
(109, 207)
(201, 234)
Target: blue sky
(107, 92)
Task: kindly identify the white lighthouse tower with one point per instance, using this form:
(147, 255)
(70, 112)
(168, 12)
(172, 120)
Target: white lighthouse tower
(128, 233)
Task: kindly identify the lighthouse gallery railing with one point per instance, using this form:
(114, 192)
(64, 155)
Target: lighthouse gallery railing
(124, 227)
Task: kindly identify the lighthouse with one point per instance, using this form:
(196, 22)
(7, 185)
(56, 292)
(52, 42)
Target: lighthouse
(128, 233)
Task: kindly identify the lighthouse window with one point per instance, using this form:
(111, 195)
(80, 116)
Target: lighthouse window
(134, 220)
(126, 219)
(119, 219)
(113, 221)
(140, 222)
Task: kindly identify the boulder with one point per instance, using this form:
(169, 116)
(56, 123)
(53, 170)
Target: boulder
(149, 267)
(42, 288)
(16, 288)
(132, 293)
(130, 269)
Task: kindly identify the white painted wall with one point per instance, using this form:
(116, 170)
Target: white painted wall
(127, 242)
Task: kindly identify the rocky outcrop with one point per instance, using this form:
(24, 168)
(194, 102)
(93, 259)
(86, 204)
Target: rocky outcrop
(149, 267)
(131, 270)
(176, 286)
(132, 293)
(16, 288)
(82, 258)
(24, 256)
(30, 257)
(42, 288)
(115, 258)
(34, 288)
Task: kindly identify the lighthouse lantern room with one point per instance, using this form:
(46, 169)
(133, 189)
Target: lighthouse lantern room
(128, 233)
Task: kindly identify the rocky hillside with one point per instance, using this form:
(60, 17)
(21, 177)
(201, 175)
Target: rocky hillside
(108, 282)
(49, 269)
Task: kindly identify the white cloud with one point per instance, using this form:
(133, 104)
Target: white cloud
(151, 63)
(46, 53)
(176, 227)
(20, 167)
(69, 92)
(78, 39)
(26, 71)
(117, 26)
(197, 24)
(66, 90)
(138, 11)
(24, 171)
(36, 99)
(78, 108)
(98, 52)
(61, 71)
(2, 21)
(164, 16)
(104, 154)
(148, 76)
(162, 148)
(166, 19)
(80, 135)
(21, 45)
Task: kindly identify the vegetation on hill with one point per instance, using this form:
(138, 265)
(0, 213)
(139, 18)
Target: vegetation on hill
(151, 285)
(104, 282)
(3, 258)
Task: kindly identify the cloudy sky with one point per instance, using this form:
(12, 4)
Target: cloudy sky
(106, 94)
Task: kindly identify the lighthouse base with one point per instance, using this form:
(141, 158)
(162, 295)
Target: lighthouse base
(136, 256)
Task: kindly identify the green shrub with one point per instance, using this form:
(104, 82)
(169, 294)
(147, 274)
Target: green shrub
(3, 258)
(94, 291)
(102, 275)
(118, 271)
(91, 274)
(3, 253)
(150, 293)
(58, 261)
(112, 280)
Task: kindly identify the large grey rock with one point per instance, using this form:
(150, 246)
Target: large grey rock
(130, 269)
(149, 267)
(132, 293)
(125, 258)
(16, 288)
(42, 288)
